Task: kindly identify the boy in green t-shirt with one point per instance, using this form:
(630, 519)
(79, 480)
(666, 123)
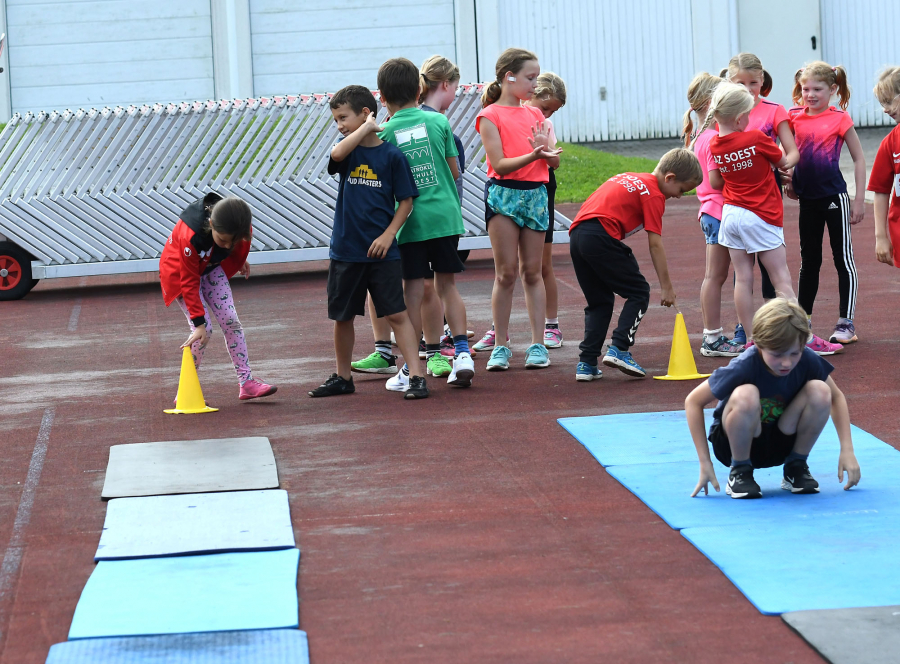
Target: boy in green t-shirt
(429, 239)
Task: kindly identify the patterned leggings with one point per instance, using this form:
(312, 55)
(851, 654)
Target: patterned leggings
(215, 290)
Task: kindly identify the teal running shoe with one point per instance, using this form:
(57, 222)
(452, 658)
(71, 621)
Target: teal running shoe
(537, 357)
(499, 360)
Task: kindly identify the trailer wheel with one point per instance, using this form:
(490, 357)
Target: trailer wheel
(15, 272)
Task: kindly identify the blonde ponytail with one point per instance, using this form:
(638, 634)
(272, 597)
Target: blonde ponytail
(699, 93)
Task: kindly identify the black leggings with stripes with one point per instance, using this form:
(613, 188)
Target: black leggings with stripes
(815, 215)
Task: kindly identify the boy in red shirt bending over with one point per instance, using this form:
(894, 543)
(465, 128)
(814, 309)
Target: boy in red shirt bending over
(605, 266)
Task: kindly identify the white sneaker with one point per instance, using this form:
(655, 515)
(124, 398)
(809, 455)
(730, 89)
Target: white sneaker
(463, 371)
(399, 382)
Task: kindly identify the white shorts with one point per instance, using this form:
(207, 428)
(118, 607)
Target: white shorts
(743, 229)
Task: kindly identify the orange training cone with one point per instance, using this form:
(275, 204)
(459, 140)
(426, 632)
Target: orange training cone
(190, 396)
(681, 359)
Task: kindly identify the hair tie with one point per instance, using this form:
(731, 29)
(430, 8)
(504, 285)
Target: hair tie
(800, 71)
(834, 69)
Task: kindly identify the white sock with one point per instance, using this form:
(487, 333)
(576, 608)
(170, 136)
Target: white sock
(710, 336)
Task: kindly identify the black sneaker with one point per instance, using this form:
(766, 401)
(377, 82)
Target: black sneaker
(422, 351)
(741, 483)
(333, 386)
(797, 478)
(417, 388)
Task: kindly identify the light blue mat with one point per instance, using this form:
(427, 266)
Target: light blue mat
(785, 552)
(831, 562)
(221, 592)
(634, 438)
(195, 523)
(666, 488)
(275, 646)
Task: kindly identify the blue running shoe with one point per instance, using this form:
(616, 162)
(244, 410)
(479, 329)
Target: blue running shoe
(740, 337)
(622, 360)
(585, 372)
(537, 357)
(499, 360)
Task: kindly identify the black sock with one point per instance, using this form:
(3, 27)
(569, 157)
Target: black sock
(793, 456)
(551, 326)
(383, 348)
(431, 349)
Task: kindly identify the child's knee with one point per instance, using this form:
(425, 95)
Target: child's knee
(506, 276)
(744, 399)
(818, 393)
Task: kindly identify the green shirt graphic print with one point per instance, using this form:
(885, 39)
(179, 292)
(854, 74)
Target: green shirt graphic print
(427, 142)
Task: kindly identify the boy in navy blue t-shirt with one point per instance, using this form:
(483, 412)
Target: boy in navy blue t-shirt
(774, 401)
(374, 199)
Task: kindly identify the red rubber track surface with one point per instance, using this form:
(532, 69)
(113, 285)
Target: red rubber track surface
(469, 527)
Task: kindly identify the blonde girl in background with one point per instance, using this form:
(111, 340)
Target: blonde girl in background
(517, 144)
(718, 260)
(820, 130)
(549, 96)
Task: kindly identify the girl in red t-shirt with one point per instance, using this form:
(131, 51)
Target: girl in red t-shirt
(884, 181)
(768, 117)
(752, 216)
(517, 144)
(821, 130)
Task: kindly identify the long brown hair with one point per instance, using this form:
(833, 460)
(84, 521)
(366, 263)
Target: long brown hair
(511, 60)
(434, 71)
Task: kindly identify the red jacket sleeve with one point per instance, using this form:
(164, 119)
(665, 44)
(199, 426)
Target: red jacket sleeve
(881, 181)
(190, 272)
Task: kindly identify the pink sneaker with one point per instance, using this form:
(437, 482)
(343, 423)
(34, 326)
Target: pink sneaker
(553, 338)
(821, 347)
(253, 389)
(447, 347)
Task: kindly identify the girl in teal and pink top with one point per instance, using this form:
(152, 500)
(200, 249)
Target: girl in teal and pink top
(820, 130)
(517, 144)
(715, 343)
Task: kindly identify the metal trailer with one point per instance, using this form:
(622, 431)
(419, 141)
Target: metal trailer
(93, 192)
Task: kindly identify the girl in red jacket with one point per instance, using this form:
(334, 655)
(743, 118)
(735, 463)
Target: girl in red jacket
(207, 247)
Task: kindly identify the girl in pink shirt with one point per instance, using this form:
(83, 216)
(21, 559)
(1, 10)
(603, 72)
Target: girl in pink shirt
(517, 144)
(718, 260)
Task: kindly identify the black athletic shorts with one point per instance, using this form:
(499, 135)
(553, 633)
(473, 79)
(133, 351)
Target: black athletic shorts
(767, 450)
(349, 282)
(422, 259)
(551, 201)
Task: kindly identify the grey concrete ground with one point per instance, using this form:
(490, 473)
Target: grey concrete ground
(870, 137)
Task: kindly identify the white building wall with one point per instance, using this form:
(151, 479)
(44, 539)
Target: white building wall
(322, 45)
(72, 53)
(626, 65)
(861, 37)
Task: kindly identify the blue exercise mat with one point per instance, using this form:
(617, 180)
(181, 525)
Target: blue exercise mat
(220, 592)
(637, 438)
(785, 552)
(196, 523)
(830, 562)
(272, 646)
(666, 488)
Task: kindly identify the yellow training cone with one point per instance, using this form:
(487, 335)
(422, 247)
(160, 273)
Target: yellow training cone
(190, 396)
(681, 359)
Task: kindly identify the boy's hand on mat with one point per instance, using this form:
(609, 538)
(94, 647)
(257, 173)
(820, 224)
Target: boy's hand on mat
(884, 252)
(245, 270)
(847, 462)
(707, 475)
(380, 246)
(668, 297)
(199, 334)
